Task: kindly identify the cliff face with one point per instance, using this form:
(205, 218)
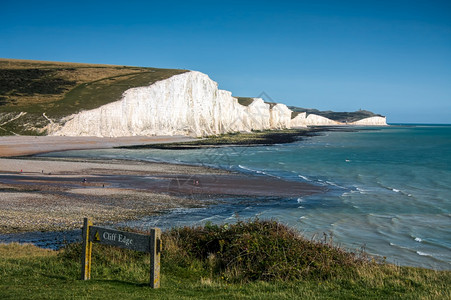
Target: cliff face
(315, 120)
(373, 121)
(299, 121)
(185, 104)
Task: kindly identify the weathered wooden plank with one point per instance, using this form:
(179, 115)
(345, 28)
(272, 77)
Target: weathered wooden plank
(86, 251)
(122, 239)
(156, 247)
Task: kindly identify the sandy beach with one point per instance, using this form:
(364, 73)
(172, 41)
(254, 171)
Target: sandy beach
(29, 145)
(43, 194)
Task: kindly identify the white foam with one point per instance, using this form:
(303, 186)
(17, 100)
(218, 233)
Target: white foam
(424, 254)
(361, 191)
(250, 170)
(334, 184)
(417, 239)
(304, 177)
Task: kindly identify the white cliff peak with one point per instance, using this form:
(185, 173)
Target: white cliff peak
(186, 104)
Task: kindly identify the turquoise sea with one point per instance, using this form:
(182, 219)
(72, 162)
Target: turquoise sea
(389, 189)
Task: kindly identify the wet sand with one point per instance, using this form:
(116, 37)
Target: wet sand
(28, 145)
(43, 194)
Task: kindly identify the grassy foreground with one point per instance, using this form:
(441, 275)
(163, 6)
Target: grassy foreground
(254, 260)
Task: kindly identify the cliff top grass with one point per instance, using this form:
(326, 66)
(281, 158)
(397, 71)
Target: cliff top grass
(247, 260)
(61, 89)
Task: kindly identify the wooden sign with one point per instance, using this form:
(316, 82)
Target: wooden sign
(128, 240)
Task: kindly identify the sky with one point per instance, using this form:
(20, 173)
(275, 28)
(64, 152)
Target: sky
(390, 57)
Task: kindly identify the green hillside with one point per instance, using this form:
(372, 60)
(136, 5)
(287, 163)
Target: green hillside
(30, 89)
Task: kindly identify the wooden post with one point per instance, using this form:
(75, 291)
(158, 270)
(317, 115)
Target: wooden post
(86, 251)
(155, 251)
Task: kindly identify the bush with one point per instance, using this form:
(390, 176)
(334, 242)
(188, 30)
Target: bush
(257, 250)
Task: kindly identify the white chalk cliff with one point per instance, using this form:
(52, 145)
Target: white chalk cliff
(372, 121)
(315, 120)
(185, 104)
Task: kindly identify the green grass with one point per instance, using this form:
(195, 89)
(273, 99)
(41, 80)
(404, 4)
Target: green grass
(62, 89)
(197, 265)
(100, 92)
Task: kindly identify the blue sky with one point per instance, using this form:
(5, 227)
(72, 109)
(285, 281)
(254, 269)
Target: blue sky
(390, 57)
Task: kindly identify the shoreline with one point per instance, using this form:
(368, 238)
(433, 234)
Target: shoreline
(40, 194)
(246, 139)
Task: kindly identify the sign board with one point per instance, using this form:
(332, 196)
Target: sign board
(123, 239)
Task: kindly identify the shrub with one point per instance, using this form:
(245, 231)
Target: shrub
(257, 250)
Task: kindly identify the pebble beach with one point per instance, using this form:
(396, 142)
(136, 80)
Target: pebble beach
(43, 194)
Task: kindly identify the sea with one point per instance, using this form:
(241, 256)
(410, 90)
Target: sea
(388, 189)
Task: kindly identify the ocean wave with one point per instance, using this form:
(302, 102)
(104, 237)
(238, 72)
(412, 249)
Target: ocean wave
(304, 177)
(401, 247)
(361, 191)
(249, 169)
(424, 254)
(419, 240)
(209, 218)
(381, 216)
(256, 171)
(334, 184)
